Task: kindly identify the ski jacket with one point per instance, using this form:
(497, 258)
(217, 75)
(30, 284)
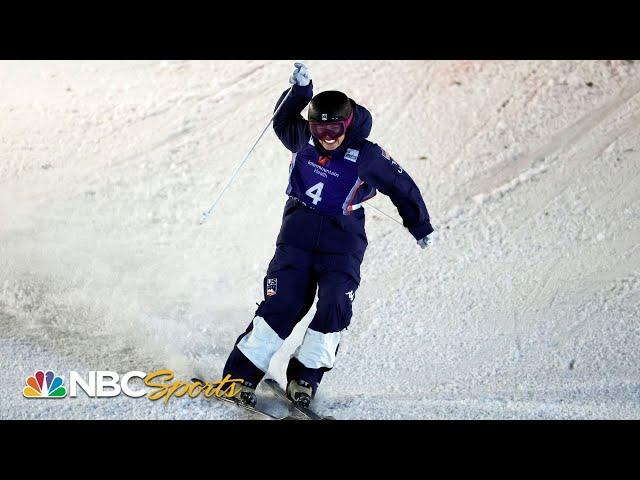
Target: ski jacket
(326, 188)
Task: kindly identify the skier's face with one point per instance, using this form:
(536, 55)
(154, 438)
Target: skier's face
(331, 144)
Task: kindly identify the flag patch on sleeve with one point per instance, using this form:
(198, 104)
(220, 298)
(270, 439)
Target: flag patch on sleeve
(272, 286)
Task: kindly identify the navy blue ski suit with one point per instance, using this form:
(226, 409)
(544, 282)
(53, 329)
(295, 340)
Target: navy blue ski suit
(321, 243)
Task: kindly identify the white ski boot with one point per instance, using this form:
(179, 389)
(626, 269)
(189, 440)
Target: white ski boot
(245, 394)
(300, 392)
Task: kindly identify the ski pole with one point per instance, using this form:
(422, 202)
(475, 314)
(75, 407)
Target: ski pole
(385, 214)
(208, 213)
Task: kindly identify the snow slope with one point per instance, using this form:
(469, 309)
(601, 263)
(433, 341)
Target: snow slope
(526, 306)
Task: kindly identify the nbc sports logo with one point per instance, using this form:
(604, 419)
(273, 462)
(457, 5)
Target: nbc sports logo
(44, 385)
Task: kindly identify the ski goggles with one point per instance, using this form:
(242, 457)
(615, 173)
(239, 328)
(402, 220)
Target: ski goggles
(330, 130)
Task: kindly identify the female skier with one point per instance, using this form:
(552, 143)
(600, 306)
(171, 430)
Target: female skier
(322, 240)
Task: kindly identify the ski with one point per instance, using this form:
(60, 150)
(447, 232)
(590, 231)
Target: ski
(255, 411)
(307, 412)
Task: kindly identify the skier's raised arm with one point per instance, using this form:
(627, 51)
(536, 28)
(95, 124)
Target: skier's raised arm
(290, 127)
(383, 173)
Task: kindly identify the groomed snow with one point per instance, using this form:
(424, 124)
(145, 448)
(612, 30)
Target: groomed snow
(527, 305)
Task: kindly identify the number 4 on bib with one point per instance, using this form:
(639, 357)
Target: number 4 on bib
(315, 192)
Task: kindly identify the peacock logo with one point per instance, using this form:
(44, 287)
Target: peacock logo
(44, 385)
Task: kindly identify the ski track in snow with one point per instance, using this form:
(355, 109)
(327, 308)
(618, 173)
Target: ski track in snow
(526, 305)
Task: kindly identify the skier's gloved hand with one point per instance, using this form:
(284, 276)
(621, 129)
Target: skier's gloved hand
(425, 242)
(300, 75)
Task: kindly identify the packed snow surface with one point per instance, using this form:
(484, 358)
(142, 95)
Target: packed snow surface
(526, 305)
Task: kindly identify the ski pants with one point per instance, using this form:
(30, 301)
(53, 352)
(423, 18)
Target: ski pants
(289, 289)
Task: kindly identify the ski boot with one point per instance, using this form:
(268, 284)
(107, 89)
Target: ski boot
(300, 392)
(245, 394)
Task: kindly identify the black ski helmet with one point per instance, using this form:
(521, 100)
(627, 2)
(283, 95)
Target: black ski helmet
(330, 106)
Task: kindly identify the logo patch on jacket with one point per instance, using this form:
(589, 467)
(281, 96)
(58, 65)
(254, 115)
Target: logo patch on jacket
(323, 160)
(385, 154)
(351, 155)
(272, 286)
